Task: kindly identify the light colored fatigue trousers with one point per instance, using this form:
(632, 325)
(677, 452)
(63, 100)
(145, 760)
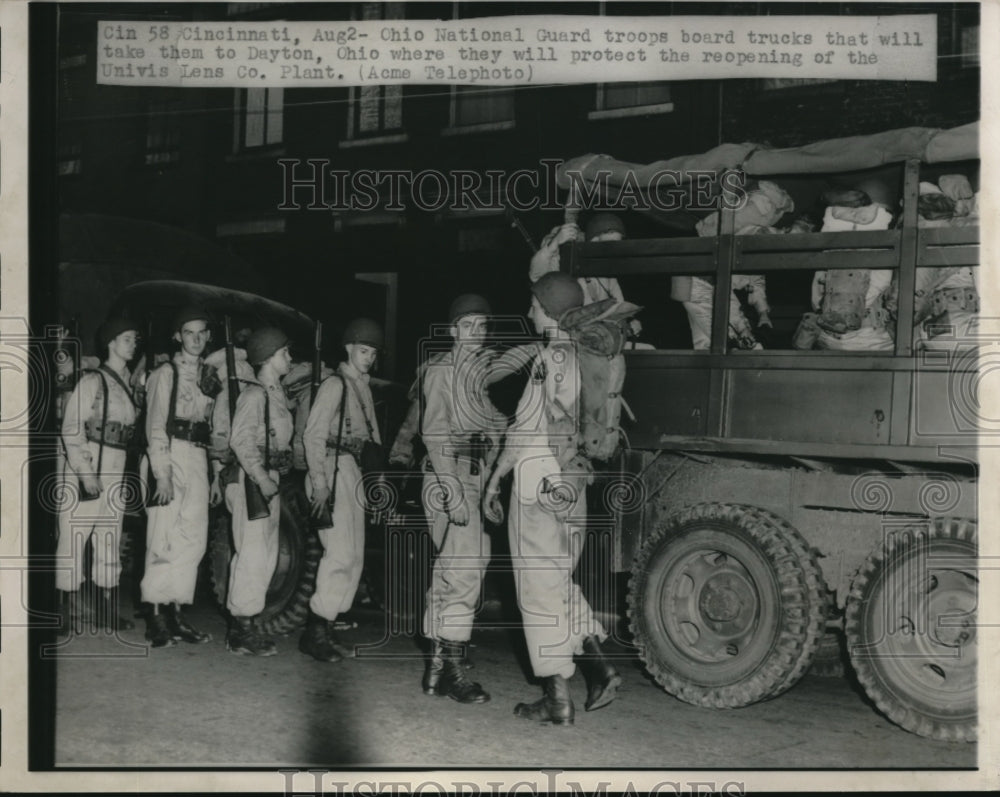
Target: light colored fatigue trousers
(463, 553)
(102, 517)
(339, 571)
(256, 550)
(555, 614)
(176, 534)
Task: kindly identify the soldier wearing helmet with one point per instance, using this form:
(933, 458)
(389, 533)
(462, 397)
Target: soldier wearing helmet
(341, 422)
(600, 227)
(178, 431)
(458, 425)
(261, 440)
(98, 424)
(547, 510)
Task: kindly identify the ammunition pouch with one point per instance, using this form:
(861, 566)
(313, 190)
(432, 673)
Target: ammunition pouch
(280, 461)
(116, 434)
(346, 445)
(197, 432)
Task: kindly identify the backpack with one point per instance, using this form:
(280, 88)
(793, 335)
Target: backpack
(600, 330)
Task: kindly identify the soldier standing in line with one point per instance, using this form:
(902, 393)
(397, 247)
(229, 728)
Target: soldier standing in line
(178, 432)
(98, 424)
(261, 440)
(547, 513)
(457, 424)
(341, 422)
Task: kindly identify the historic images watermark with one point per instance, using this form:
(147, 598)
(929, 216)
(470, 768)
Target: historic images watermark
(312, 184)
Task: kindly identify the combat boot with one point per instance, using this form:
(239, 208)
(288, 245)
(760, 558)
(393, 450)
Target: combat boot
(602, 678)
(314, 641)
(453, 681)
(344, 651)
(243, 639)
(158, 629)
(555, 707)
(182, 630)
(107, 612)
(434, 668)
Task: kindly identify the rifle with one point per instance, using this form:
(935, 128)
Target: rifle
(515, 222)
(256, 503)
(317, 363)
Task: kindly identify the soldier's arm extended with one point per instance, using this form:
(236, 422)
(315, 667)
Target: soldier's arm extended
(528, 426)
(510, 361)
(248, 418)
(74, 434)
(322, 416)
(157, 409)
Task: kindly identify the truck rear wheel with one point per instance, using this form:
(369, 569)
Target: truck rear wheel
(299, 551)
(911, 628)
(727, 605)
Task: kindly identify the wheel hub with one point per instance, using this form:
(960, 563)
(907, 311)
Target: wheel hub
(723, 599)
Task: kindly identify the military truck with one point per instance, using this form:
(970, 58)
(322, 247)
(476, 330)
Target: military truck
(778, 494)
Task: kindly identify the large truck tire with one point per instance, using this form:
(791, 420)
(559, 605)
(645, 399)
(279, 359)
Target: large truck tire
(911, 628)
(299, 551)
(727, 605)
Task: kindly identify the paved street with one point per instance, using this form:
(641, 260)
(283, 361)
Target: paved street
(119, 705)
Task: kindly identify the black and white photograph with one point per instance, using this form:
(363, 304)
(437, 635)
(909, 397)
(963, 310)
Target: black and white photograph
(497, 397)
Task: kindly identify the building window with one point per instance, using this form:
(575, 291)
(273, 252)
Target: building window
(163, 134)
(375, 112)
(476, 108)
(631, 99)
(258, 120)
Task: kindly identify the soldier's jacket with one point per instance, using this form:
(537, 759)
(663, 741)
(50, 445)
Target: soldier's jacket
(487, 367)
(192, 405)
(548, 412)
(324, 418)
(248, 431)
(86, 403)
(457, 407)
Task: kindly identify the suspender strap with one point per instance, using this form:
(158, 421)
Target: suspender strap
(121, 383)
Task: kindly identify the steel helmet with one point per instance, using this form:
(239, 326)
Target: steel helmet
(601, 223)
(263, 343)
(557, 292)
(468, 304)
(364, 331)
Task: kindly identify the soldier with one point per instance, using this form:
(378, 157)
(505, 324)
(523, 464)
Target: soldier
(457, 423)
(547, 510)
(341, 421)
(261, 440)
(178, 432)
(98, 424)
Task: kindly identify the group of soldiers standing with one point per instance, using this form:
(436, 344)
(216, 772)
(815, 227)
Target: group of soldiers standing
(463, 469)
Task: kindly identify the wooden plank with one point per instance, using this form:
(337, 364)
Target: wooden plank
(934, 236)
(755, 262)
(899, 431)
(659, 264)
(957, 255)
(817, 241)
(790, 360)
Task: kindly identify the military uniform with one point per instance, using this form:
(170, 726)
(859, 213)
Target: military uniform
(340, 568)
(98, 423)
(547, 514)
(177, 533)
(256, 541)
